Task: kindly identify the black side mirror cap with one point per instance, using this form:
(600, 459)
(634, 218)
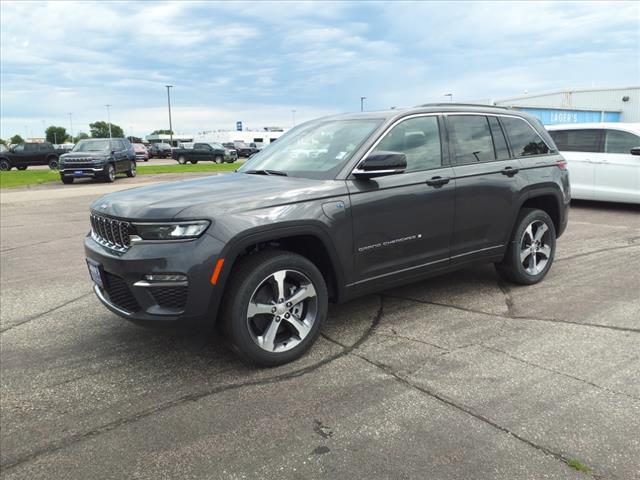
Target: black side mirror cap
(635, 151)
(380, 164)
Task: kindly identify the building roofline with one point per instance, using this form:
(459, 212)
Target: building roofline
(566, 90)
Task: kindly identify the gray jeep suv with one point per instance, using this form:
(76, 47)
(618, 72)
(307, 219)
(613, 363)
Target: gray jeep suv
(339, 207)
(100, 158)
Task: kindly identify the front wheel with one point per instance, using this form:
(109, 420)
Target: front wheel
(110, 173)
(24, 167)
(53, 163)
(531, 250)
(193, 162)
(218, 159)
(5, 166)
(66, 180)
(182, 160)
(278, 303)
(132, 170)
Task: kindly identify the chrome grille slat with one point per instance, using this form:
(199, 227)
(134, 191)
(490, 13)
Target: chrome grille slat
(110, 232)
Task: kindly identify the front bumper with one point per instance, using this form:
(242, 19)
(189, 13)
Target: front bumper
(83, 171)
(126, 292)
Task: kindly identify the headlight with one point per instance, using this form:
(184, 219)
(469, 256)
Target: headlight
(171, 231)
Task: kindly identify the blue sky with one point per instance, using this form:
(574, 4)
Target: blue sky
(258, 61)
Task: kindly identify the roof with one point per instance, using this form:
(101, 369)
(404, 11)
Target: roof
(627, 127)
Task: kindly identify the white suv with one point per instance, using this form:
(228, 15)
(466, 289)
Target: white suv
(603, 159)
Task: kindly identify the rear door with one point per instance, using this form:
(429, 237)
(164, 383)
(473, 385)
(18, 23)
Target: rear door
(488, 182)
(617, 173)
(402, 223)
(31, 153)
(580, 149)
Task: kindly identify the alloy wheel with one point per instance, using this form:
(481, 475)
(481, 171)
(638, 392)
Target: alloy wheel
(282, 311)
(535, 247)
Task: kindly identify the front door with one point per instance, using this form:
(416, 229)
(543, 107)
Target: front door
(617, 175)
(402, 223)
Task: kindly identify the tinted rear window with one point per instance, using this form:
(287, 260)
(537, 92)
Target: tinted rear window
(585, 140)
(471, 138)
(523, 138)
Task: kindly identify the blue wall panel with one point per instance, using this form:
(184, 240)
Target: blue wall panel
(552, 116)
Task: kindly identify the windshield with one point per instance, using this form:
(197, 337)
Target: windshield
(313, 150)
(92, 146)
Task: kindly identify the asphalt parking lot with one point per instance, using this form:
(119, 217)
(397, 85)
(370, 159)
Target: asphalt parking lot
(457, 377)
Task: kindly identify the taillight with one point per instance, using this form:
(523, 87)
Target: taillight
(561, 164)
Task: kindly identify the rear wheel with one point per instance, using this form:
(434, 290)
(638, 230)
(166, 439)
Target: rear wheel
(66, 180)
(182, 160)
(24, 167)
(278, 303)
(5, 165)
(193, 162)
(132, 170)
(531, 250)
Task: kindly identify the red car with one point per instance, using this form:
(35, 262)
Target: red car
(141, 152)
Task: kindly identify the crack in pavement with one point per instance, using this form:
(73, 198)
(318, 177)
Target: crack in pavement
(37, 243)
(631, 241)
(557, 372)
(38, 315)
(451, 403)
(192, 397)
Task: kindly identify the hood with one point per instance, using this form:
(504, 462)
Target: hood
(84, 155)
(210, 196)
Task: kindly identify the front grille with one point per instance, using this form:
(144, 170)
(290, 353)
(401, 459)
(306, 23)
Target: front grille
(77, 160)
(110, 232)
(170, 297)
(75, 166)
(120, 294)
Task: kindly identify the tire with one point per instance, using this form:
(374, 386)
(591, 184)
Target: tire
(22, 168)
(193, 162)
(254, 278)
(218, 159)
(132, 170)
(531, 249)
(5, 166)
(66, 180)
(182, 160)
(110, 173)
(53, 163)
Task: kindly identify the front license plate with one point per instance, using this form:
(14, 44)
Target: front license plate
(78, 173)
(96, 272)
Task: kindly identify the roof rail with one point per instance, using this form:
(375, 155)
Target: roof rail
(452, 104)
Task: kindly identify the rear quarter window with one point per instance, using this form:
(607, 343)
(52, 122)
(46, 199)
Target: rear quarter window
(616, 141)
(524, 140)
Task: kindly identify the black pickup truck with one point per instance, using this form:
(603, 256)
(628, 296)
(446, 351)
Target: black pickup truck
(26, 155)
(242, 148)
(201, 152)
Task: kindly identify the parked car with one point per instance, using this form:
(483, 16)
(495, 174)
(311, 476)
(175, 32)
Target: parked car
(26, 155)
(160, 150)
(394, 197)
(99, 158)
(603, 159)
(185, 145)
(201, 152)
(141, 152)
(242, 148)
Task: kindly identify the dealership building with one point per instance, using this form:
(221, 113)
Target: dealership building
(620, 104)
(259, 137)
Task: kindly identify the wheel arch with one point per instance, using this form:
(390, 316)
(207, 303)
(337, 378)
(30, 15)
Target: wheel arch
(549, 200)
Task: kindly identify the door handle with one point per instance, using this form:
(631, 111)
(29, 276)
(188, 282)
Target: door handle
(437, 182)
(509, 171)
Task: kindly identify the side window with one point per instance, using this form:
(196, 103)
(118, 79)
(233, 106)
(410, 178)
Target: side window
(30, 147)
(523, 138)
(584, 140)
(19, 148)
(419, 139)
(499, 142)
(471, 138)
(198, 146)
(616, 141)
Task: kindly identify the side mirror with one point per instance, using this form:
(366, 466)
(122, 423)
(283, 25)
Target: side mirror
(635, 151)
(380, 164)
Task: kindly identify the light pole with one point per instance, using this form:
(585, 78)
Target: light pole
(169, 104)
(362, 99)
(293, 114)
(450, 95)
(71, 127)
(109, 118)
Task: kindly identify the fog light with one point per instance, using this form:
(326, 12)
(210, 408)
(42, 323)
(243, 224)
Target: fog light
(165, 278)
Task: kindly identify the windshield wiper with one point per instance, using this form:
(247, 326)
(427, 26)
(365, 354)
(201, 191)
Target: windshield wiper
(266, 172)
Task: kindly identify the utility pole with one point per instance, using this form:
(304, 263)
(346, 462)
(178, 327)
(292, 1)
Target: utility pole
(450, 95)
(70, 127)
(362, 99)
(169, 104)
(109, 118)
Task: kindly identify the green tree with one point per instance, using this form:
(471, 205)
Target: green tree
(16, 139)
(162, 132)
(3, 142)
(101, 130)
(56, 134)
(80, 136)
